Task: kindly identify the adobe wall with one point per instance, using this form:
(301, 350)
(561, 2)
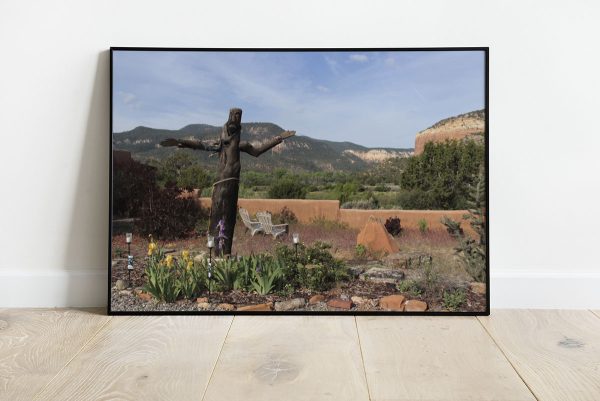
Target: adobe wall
(357, 218)
(307, 210)
(304, 209)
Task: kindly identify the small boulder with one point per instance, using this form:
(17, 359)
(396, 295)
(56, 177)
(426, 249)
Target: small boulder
(413, 305)
(255, 308)
(340, 304)
(392, 303)
(144, 296)
(289, 304)
(201, 300)
(125, 292)
(121, 285)
(315, 299)
(383, 275)
(203, 305)
(200, 257)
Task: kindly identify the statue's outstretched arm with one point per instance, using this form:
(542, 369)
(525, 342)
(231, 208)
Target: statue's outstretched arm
(190, 143)
(263, 147)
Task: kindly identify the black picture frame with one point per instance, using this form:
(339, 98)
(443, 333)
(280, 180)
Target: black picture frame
(485, 312)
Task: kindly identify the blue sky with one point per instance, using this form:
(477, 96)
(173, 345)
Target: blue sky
(376, 99)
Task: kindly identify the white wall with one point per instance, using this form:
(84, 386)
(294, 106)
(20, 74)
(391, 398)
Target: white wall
(544, 136)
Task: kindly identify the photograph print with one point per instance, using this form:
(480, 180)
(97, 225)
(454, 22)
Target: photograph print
(299, 181)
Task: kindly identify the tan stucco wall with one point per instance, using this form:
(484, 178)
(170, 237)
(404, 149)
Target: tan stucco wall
(307, 210)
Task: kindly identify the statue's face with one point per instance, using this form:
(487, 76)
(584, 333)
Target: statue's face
(235, 121)
(235, 116)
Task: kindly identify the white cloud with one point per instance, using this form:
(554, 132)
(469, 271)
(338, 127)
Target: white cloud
(359, 58)
(127, 97)
(322, 88)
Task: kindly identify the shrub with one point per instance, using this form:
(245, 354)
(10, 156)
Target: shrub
(167, 215)
(410, 287)
(360, 251)
(287, 188)
(392, 225)
(285, 216)
(430, 277)
(423, 226)
(314, 268)
(471, 251)
(453, 300)
(365, 204)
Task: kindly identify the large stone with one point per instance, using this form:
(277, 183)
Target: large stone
(478, 288)
(383, 275)
(315, 299)
(339, 304)
(203, 305)
(121, 285)
(255, 308)
(289, 304)
(375, 237)
(201, 300)
(414, 305)
(392, 303)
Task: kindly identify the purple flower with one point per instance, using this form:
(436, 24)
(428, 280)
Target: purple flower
(221, 237)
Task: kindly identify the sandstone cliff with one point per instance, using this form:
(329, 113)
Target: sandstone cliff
(457, 127)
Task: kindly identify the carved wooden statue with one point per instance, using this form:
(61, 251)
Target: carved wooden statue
(225, 190)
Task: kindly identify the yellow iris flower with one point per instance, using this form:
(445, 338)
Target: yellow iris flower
(190, 264)
(185, 254)
(151, 248)
(169, 260)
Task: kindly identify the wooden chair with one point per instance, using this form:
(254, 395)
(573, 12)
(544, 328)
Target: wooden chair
(253, 226)
(269, 228)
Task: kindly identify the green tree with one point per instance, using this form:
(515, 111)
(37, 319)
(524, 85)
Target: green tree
(439, 178)
(287, 188)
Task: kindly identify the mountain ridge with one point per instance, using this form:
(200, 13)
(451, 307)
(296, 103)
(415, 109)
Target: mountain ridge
(298, 152)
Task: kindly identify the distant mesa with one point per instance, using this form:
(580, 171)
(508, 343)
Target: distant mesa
(453, 128)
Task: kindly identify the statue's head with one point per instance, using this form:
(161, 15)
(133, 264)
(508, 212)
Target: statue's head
(234, 123)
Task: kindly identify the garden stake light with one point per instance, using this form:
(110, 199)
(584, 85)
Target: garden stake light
(210, 243)
(129, 268)
(128, 238)
(296, 240)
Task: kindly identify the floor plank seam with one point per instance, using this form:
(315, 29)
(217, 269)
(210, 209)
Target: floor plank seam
(212, 372)
(36, 395)
(508, 359)
(362, 359)
(597, 314)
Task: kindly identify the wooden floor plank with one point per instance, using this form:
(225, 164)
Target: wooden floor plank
(35, 344)
(556, 352)
(290, 358)
(144, 358)
(435, 358)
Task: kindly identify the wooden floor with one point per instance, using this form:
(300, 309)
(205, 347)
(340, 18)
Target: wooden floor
(512, 355)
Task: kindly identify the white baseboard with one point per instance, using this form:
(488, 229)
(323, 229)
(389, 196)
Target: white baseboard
(48, 289)
(539, 289)
(510, 289)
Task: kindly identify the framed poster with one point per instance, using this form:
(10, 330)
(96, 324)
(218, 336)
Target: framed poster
(299, 181)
